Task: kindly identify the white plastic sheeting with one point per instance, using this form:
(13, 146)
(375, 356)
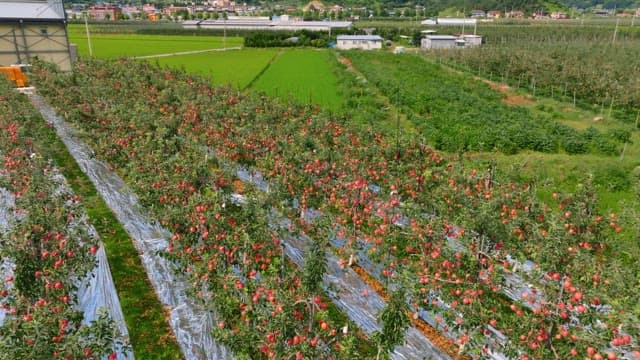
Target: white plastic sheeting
(361, 303)
(6, 216)
(6, 206)
(191, 324)
(343, 285)
(96, 292)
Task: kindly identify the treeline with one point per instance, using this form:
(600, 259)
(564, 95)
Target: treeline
(605, 4)
(433, 7)
(262, 39)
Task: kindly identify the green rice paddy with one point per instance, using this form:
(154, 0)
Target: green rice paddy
(303, 75)
(306, 76)
(234, 67)
(113, 45)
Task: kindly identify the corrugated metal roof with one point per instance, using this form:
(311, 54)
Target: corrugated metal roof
(323, 23)
(37, 10)
(359, 37)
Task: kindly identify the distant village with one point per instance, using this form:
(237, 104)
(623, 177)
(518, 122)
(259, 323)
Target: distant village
(315, 10)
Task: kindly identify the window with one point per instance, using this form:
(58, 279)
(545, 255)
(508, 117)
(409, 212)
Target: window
(43, 31)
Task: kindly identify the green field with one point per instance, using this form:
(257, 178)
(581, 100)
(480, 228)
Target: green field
(307, 76)
(236, 67)
(119, 45)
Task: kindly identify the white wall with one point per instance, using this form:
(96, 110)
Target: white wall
(437, 44)
(358, 44)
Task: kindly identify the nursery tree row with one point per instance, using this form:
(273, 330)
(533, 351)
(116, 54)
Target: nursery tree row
(457, 113)
(594, 65)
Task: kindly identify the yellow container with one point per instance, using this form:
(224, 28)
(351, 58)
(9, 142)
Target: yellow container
(15, 74)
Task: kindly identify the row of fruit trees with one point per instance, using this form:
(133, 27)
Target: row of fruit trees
(56, 283)
(588, 63)
(458, 242)
(456, 112)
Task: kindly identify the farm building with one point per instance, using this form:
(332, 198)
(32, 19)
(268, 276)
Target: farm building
(471, 40)
(439, 42)
(30, 29)
(364, 42)
(559, 15)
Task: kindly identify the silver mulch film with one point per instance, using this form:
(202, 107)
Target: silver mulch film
(191, 324)
(96, 292)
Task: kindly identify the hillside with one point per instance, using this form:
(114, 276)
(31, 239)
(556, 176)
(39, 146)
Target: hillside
(605, 4)
(433, 7)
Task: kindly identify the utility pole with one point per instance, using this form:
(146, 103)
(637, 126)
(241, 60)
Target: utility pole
(397, 125)
(464, 19)
(615, 32)
(86, 26)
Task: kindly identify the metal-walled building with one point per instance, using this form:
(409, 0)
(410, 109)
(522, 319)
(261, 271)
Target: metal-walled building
(450, 41)
(439, 42)
(364, 42)
(30, 29)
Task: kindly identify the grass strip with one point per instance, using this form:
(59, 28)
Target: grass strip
(149, 331)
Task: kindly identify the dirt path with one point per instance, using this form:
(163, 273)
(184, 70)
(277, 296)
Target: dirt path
(187, 52)
(511, 97)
